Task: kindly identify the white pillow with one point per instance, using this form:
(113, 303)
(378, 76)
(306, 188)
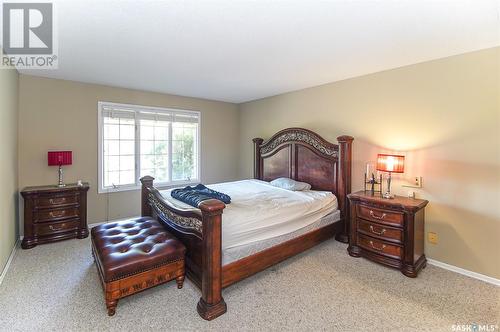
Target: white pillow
(289, 184)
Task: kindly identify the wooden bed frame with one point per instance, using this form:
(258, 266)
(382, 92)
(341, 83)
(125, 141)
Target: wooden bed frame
(295, 153)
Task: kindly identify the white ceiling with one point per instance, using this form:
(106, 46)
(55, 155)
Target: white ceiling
(244, 50)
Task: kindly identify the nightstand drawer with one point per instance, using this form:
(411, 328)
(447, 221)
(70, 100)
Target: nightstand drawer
(56, 201)
(387, 217)
(380, 231)
(56, 214)
(59, 227)
(379, 247)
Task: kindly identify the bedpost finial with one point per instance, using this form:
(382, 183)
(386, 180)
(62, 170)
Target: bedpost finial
(258, 140)
(147, 181)
(211, 206)
(345, 139)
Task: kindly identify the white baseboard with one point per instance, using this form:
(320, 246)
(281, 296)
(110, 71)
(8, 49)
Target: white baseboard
(465, 272)
(11, 257)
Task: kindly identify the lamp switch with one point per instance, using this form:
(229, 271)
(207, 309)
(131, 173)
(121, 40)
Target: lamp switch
(415, 182)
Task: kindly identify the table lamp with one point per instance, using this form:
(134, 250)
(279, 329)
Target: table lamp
(393, 164)
(60, 158)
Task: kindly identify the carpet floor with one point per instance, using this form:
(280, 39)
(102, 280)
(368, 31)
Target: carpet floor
(56, 287)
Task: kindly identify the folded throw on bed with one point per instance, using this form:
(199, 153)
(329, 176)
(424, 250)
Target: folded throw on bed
(195, 195)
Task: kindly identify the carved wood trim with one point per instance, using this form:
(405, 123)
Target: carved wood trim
(181, 221)
(300, 135)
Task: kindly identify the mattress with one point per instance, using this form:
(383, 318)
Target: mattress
(236, 253)
(260, 211)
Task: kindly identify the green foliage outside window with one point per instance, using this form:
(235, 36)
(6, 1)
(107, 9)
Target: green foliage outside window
(183, 155)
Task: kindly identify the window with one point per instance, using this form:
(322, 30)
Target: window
(135, 141)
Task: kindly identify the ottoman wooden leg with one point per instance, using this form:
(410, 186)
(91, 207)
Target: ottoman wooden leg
(180, 281)
(111, 306)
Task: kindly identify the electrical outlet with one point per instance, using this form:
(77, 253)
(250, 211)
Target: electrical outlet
(418, 181)
(415, 182)
(432, 237)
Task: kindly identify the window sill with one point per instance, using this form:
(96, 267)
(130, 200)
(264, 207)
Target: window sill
(159, 186)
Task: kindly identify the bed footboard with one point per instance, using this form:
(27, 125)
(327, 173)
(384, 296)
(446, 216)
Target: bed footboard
(201, 232)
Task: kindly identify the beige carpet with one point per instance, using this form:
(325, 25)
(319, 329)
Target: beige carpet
(56, 287)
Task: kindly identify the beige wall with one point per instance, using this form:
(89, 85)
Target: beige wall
(8, 162)
(443, 115)
(58, 114)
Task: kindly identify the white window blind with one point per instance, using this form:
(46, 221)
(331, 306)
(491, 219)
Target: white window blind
(136, 141)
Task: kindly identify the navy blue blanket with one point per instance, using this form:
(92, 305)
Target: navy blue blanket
(195, 195)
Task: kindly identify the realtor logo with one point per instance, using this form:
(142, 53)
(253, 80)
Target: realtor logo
(27, 28)
(28, 35)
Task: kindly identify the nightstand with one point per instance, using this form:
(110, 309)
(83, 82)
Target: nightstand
(388, 231)
(53, 213)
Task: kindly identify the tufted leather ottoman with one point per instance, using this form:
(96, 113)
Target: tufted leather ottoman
(134, 255)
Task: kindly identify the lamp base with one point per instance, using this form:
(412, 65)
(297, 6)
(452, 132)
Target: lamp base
(61, 183)
(388, 195)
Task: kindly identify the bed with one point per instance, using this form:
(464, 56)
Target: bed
(263, 225)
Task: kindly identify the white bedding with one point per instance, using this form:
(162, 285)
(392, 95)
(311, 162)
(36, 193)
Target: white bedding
(260, 211)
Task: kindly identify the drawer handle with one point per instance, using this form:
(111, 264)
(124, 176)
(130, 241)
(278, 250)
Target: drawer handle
(57, 214)
(377, 248)
(375, 232)
(57, 200)
(373, 215)
(52, 228)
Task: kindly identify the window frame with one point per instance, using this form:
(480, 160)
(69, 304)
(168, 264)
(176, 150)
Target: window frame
(137, 108)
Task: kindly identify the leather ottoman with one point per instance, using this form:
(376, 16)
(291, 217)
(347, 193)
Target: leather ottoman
(134, 255)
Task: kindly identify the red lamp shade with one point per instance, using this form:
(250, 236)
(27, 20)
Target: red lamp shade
(59, 158)
(390, 163)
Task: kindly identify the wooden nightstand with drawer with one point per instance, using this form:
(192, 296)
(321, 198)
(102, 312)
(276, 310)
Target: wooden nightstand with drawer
(388, 231)
(53, 213)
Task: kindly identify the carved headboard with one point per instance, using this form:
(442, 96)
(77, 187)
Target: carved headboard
(303, 155)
